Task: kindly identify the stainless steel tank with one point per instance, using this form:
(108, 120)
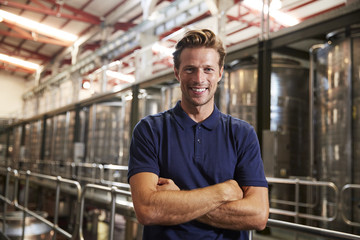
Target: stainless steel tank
(17, 152)
(336, 116)
(34, 229)
(106, 123)
(242, 91)
(170, 95)
(356, 125)
(149, 102)
(289, 110)
(109, 131)
(284, 148)
(32, 145)
(126, 135)
(62, 144)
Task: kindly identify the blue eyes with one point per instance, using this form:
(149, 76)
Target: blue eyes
(192, 70)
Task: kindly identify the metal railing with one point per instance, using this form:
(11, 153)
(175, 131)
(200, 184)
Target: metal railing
(113, 191)
(95, 172)
(111, 201)
(343, 190)
(297, 203)
(80, 192)
(315, 231)
(100, 168)
(15, 202)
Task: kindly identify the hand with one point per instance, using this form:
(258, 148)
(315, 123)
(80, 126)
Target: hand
(232, 191)
(165, 184)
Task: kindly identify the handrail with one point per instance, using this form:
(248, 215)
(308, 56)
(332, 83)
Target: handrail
(101, 168)
(312, 230)
(83, 193)
(14, 202)
(296, 214)
(113, 191)
(76, 174)
(346, 220)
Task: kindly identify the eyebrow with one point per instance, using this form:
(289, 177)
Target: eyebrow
(204, 66)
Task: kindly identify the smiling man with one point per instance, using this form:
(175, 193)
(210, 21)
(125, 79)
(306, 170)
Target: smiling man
(194, 172)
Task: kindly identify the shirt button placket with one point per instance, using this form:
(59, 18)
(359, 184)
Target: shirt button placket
(198, 135)
(198, 142)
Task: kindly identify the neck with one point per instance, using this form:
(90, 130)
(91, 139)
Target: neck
(198, 113)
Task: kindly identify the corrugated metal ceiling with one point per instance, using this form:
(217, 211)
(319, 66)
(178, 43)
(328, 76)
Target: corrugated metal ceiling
(98, 21)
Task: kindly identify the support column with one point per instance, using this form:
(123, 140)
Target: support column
(264, 87)
(144, 57)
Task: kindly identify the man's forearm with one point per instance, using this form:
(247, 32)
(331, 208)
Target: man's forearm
(175, 207)
(248, 213)
(164, 204)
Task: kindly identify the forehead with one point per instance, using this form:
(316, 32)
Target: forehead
(202, 55)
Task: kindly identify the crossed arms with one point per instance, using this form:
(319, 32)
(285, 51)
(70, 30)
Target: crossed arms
(158, 201)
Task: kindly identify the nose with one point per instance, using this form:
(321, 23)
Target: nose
(199, 76)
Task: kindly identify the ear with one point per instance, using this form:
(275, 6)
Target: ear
(221, 73)
(176, 72)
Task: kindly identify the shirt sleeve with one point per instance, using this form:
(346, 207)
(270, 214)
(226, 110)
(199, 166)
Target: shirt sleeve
(250, 170)
(143, 155)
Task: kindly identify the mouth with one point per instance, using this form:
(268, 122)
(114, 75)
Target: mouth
(199, 90)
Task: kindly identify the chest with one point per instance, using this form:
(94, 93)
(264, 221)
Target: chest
(197, 157)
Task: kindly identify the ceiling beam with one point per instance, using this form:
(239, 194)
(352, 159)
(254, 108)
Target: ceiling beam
(125, 26)
(38, 39)
(34, 55)
(16, 69)
(77, 11)
(48, 11)
(293, 52)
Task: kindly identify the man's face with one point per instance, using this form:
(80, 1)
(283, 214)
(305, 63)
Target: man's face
(198, 75)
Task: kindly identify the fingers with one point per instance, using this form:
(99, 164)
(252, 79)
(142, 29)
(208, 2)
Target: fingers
(234, 191)
(163, 181)
(166, 184)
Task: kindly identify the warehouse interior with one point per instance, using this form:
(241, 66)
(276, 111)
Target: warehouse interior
(76, 76)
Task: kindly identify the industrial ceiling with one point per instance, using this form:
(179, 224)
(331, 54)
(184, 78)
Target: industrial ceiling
(95, 23)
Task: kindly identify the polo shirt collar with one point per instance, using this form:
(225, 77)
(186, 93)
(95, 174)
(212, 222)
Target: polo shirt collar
(185, 121)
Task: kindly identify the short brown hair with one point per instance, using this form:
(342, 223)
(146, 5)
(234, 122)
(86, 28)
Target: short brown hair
(199, 38)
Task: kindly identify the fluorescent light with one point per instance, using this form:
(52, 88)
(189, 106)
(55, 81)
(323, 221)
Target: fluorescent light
(212, 7)
(283, 18)
(18, 62)
(121, 76)
(156, 47)
(37, 27)
(275, 4)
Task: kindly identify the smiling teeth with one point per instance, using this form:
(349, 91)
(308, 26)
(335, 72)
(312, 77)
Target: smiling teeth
(199, 89)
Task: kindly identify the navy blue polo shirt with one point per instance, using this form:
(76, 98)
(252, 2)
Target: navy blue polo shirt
(195, 155)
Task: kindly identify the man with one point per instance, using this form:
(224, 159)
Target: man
(194, 172)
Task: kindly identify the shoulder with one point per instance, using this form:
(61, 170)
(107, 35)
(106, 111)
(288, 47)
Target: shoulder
(236, 124)
(153, 122)
(241, 133)
(157, 118)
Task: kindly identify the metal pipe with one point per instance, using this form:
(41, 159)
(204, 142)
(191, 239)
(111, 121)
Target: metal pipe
(312, 230)
(6, 197)
(16, 187)
(346, 220)
(311, 105)
(297, 183)
(14, 202)
(297, 199)
(57, 201)
(26, 199)
(112, 216)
